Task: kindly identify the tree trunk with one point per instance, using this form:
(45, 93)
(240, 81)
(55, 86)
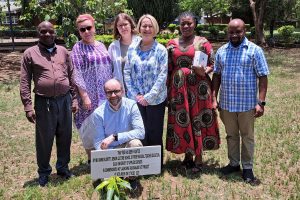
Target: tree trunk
(257, 8)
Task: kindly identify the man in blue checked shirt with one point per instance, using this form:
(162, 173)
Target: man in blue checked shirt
(240, 72)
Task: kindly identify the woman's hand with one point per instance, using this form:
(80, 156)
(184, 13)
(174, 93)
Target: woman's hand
(141, 100)
(199, 70)
(87, 104)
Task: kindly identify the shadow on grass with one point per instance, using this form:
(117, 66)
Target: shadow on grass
(56, 180)
(175, 168)
(81, 169)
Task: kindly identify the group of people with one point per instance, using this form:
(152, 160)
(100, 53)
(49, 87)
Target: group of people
(118, 96)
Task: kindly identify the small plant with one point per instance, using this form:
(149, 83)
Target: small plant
(172, 27)
(114, 187)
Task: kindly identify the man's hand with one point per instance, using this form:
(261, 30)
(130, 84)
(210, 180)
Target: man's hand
(74, 107)
(107, 141)
(30, 115)
(259, 111)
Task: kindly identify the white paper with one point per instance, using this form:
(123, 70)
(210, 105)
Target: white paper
(200, 59)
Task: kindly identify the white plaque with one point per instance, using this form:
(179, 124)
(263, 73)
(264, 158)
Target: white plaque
(124, 162)
(200, 59)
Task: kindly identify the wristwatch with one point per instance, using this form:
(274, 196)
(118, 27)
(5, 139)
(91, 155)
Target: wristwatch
(116, 137)
(261, 103)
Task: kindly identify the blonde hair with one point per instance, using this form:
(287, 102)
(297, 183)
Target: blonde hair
(84, 17)
(153, 21)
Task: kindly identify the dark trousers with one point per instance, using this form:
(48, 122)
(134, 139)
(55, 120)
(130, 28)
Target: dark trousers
(53, 119)
(153, 118)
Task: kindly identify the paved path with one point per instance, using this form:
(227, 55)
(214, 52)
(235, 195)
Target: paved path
(18, 40)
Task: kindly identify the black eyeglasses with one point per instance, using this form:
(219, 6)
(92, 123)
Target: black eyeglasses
(116, 92)
(47, 31)
(83, 29)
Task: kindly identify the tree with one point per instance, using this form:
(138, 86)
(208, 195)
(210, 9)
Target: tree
(65, 12)
(209, 8)
(163, 11)
(258, 8)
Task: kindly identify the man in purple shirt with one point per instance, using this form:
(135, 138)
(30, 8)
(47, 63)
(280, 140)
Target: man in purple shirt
(49, 67)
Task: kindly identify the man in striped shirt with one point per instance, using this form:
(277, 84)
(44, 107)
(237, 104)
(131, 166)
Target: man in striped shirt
(240, 72)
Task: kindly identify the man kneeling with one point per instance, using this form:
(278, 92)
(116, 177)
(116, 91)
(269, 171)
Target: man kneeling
(117, 123)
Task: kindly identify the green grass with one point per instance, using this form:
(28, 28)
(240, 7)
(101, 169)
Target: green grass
(277, 155)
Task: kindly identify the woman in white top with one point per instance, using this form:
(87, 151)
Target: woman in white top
(125, 35)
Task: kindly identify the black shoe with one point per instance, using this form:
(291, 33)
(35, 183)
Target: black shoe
(134, 184)
(248, 176)
(43, 180)
(229, 169)
(66, 174)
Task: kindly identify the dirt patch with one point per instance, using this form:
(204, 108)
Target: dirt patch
(10, 66)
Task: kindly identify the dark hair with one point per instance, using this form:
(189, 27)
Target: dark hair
(188, 14)
(117, 35)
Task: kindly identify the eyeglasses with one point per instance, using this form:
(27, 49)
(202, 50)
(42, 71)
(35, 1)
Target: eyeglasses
(47, 31)
(83, 29)
(122, 25)
(116, 92)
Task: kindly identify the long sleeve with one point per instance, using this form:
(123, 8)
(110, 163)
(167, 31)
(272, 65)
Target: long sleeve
(97, 129)
(160, 82)
(128, 78)
(25, 81)
(138, 130)
(71, 79)
(78, 62)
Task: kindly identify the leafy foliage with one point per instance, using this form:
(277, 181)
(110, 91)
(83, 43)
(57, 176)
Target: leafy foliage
(209, 8)
(163, 11)
(114, 187)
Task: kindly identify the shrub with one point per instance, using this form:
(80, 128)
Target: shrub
(172, 27)
(286, 31)
(199, 29)
(213, 30)
(105, 39)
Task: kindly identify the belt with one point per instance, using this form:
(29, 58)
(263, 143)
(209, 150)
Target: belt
(53, 97)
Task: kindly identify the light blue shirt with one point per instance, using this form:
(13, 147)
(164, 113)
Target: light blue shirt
(240, 68)
(145, 73)
(126, 122)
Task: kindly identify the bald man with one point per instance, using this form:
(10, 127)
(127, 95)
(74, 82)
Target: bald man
(117, 122)
(48, 65)
(239, 65)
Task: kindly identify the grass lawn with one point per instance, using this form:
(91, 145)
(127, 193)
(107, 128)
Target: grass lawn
(277, 156)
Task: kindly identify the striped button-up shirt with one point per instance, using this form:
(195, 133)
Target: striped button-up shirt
(239, 68)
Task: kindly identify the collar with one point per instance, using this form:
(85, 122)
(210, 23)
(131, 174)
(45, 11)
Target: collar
(44, 48)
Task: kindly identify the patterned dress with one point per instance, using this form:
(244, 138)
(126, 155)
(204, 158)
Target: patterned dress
(192, 124)
(92, 68)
